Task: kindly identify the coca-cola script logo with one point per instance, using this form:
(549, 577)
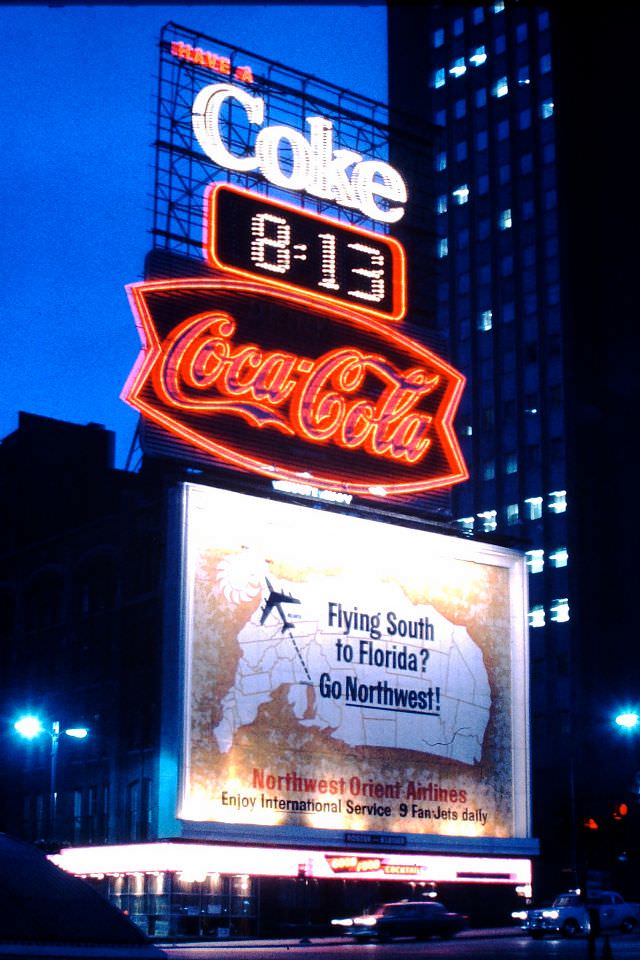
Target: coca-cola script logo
(286, 388)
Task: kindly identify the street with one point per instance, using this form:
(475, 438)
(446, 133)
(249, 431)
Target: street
(473, 947)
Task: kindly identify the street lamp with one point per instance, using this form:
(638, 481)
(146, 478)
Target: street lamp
(629, 723)
(628, 720)
(31, 727)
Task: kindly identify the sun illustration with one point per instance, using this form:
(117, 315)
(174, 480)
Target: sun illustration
(240, 576)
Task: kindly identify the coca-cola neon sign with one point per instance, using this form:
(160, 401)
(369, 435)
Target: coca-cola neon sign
(288, 360)
(356, 405)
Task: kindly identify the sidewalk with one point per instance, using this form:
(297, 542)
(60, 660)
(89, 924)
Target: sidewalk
(328, 941)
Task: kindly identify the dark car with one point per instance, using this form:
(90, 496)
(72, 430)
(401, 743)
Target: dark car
(46, 912)
(420, 919)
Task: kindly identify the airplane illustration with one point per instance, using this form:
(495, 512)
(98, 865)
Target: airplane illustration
(275, 599)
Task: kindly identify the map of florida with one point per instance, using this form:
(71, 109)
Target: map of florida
(398, 676)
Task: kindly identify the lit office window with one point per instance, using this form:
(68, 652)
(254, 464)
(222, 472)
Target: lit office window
(458, 67)
(458, 26)
(543, 20)
(560, 610)
(461, 194)
(535, 560)
(546, 109)
(559, 557)
(511, 463)
(460, 109)
(536, 616)
(534, 507)
(558, 501)
(478, 14)
(482, 140)
(443, 247)
(503, 130)
(478, 57)
(513, 513)
(488, 518)
(489, 470)
(441, 204)
(504, 220)
(500, 44)
(441, 161)
(521, 32)
(438, 38)
(440, 118)
(438, 78)
(545, 63)
(481, 97)
(485, 320)
(466, 523)
(501, 87)
(498, 7)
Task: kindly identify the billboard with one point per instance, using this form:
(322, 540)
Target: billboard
(348, 675)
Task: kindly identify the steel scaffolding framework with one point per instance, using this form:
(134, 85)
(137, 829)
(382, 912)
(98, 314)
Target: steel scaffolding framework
(183, 171)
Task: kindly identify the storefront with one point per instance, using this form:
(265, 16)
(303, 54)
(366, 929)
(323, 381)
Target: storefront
(181, 890)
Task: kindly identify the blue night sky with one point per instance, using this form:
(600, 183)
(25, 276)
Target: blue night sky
(76, 128)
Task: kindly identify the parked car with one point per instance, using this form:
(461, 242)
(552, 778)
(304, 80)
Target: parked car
(420, 919)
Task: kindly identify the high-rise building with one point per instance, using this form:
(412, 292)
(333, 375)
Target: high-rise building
(536, 307)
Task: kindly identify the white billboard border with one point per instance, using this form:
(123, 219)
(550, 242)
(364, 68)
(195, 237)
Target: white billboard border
(520, 843)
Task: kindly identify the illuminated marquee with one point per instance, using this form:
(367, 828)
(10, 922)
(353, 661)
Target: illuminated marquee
(342, 865)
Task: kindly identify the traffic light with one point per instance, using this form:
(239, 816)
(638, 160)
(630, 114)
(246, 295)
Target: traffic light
(620, 811)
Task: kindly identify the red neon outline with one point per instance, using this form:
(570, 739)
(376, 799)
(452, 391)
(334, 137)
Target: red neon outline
(398, 256)
(151, 351)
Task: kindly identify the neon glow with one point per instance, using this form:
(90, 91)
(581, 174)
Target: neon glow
(313, 166)
(389, 400)
(201, 860)
(251, 236)
(214, 61)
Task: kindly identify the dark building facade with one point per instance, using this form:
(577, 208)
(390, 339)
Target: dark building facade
(82, 558)
(535, 294)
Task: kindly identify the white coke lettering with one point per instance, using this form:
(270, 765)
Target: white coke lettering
(371, 186)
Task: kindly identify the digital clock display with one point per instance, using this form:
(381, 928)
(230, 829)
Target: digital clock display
(254, 236)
